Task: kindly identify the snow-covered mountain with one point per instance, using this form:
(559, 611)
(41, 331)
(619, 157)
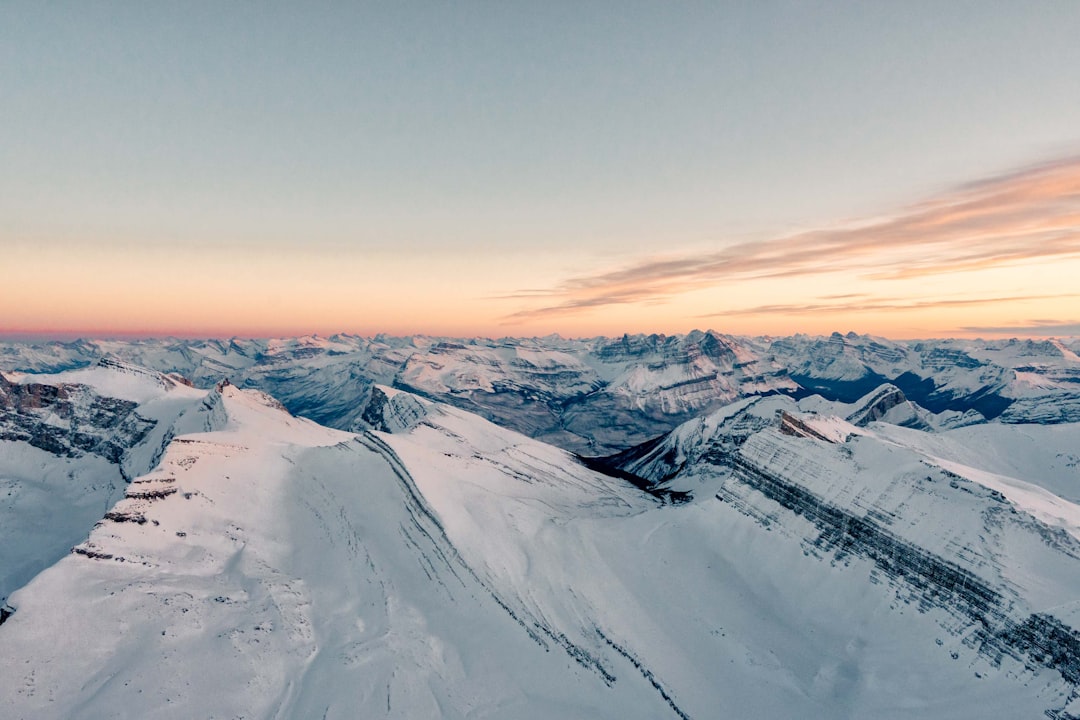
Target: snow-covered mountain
(980, 522)
(1004, 379)
(601, 395)
(776, 557)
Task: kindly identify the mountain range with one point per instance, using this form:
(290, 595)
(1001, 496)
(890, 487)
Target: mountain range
(690, 526)
(601, 395)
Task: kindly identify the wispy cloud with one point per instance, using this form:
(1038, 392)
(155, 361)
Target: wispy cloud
(1032, 213)
(843, 296)
(1043, 328)
(876, 305)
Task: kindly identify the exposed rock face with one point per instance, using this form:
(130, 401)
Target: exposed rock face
(677, 375)
(877, 405)
(69, 419)
(1044, 410)
(940, 376)
(592, 396)
(393, 412)
(69, 446)
(889, 404)
(794, 426)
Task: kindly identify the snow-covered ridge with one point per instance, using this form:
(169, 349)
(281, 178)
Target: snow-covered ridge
(999, 553)
(270, 566)
(714, 436)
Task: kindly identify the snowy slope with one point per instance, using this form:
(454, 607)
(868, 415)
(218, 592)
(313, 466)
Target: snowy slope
(1044, 455)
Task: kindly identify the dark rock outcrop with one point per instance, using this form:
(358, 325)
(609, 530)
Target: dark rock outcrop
(69, 419)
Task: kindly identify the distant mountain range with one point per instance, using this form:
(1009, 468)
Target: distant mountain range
(602, 395)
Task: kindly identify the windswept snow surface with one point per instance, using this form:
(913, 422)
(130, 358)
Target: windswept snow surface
(1037, 468)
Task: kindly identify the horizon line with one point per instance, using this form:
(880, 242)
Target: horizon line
(1035, 331)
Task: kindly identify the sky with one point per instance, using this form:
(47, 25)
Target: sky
(268, 169)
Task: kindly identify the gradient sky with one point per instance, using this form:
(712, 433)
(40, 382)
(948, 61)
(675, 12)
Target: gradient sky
(906, 169)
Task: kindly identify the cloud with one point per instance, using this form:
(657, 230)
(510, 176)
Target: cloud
(876, 305)
(1028, 214)
(1041, 328)
(842, 296)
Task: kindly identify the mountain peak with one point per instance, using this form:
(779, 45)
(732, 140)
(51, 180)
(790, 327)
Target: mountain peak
(393, 411)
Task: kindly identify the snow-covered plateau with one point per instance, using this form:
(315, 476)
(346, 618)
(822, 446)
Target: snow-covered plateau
(690, 527)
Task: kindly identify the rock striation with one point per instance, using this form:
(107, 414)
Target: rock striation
(70, 419)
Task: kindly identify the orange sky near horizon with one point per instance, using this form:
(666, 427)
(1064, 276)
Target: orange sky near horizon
(998, 257)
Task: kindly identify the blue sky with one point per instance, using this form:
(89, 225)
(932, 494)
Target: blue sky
(484, 155)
